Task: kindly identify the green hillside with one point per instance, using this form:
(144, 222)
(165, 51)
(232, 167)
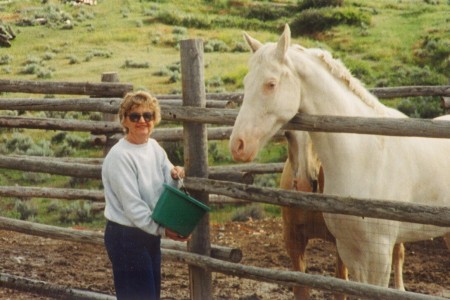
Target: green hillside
(384, 43)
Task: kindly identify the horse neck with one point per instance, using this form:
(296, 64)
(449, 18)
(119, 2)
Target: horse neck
(331, 97)
(325, 93)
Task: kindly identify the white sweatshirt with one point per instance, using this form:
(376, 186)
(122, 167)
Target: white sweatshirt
(133, 177)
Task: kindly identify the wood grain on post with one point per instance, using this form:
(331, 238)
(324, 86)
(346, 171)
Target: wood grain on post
(196, 158)
(108, 117)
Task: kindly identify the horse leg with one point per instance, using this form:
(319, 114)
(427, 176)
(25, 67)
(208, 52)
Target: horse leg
(301, 292)
(398, 258)
(295, 243)
(367, 261)
(447, 240)
(342, 273)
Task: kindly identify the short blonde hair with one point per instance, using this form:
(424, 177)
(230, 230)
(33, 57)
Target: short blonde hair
(132, 100)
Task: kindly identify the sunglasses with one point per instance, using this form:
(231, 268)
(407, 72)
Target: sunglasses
(135, 117)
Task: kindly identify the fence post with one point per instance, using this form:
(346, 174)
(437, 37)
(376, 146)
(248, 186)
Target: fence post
(109, 142)
(196, 158)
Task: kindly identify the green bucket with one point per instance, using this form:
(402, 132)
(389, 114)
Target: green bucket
(178, 211)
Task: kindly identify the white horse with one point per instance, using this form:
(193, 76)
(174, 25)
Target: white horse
(284, 80)
(303, 172)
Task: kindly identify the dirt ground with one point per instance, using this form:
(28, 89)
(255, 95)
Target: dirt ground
(81, 266)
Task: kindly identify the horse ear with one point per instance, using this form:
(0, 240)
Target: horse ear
(284, 43)
(254, 44)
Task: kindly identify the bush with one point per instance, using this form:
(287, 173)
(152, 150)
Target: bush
(73, 140)
(216, 46)
(40, 149)
(73, 60)
(306, 4)
(175, 152)
(240, 47)
(421, 107)
(136, 65)
(176, 18)
(434, 52)
(25, 210)
(414, 75)
(316, 20)
(266, 12)
(5, 59)
(19, 143)
(252, 212)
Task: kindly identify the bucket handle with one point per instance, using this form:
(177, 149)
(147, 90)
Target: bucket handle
(183, 187)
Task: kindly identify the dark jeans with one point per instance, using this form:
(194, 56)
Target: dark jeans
(136, 260)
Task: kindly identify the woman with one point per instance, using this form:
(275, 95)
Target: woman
(133, 174)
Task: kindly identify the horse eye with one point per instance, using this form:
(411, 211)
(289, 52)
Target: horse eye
(270, 85)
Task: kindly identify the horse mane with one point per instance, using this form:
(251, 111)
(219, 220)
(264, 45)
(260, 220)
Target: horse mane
(338, 69)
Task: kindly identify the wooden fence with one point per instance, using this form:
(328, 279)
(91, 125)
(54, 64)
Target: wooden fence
(196, 109)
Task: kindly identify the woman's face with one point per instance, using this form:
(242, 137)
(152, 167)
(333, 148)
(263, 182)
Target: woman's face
(140, 123)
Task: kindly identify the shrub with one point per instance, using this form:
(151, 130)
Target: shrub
(6, 70)
(48, 55)
(179, 30)
(214, 82)
(266, 12)
(5, 59)
(252, 212)
(316, 20)
(73, 60)
(136, 65)
(40, 149)
(83, 212)
(215, 155)
(434, 52)
(414, 75)
(216, 46)
(164, 71)
(177, 18)
(31, 68)
(25, 210)
(421, 107)
(64, 150)
(98, 53)
(266, 180)
(175, 77)
(44, 73)
(175, 152)
(305, 4)
(240, 47)
(59, 137)
(73, 140)
(19, 143)
(35, 178)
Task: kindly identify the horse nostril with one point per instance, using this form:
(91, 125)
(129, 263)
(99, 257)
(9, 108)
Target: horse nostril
(240, 145)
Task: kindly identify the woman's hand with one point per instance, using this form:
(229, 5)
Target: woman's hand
(177, 172)
(175, 236)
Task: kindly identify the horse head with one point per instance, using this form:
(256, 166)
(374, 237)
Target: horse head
(271, 97)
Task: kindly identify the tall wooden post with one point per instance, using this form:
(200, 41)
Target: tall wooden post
(109, 142)
(196, 158)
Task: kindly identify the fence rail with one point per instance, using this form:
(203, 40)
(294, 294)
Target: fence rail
(377, 126)
(373, 208)
(104, 89)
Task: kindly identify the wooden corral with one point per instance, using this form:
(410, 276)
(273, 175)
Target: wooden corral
(194, 109)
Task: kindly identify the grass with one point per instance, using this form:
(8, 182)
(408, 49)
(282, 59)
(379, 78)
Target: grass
(130, 32)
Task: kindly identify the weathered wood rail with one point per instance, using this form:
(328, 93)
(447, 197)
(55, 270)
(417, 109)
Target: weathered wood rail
(215, 110)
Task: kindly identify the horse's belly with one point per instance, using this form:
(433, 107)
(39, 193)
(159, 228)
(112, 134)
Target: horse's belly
(359, 230)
